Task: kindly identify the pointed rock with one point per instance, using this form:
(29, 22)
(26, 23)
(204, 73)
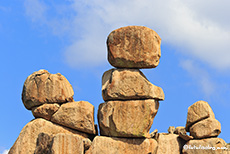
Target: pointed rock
(134, 47)
(127, 84)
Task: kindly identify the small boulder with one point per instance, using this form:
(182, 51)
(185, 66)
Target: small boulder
(134, 47)
(42, 87)
(45, 111)
(171, 129)
(76, 115)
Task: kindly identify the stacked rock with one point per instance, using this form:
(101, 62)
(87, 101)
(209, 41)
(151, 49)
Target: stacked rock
(50, 97)
(131, 101)
(204, 128)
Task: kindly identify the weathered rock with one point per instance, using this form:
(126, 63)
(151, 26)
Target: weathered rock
(197, 112)
(205, 146)
(154, 133)
(127, 118)
(169, 144)
(42, 87)
(205, 128)
(134, 47)
(127, 84)
(171, 129)
(43, 144)
(112, 145)
(76, 115)
(178, 129)
(68, 144)
(26, 141)
(45, 111)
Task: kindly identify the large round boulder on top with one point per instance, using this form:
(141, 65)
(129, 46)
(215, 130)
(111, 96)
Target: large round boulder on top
(42, 87)
(134, 47)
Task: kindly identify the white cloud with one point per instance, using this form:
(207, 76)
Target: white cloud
(202, 77)
(196, 28)
(5, 152)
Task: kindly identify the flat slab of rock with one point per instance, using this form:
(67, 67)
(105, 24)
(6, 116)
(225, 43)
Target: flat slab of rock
(127, 118)
(42, 87)
(197, 112)
(27, 139)
(205, 128)
(205, 146)
(134, 47)
(169, 144)
(76, 115)
(45, 111)
(113, 145)
(123, 84)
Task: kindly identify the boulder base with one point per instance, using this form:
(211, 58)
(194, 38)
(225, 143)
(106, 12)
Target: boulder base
(127, 118)
(26, 141)
(169, 144)
(113, 145)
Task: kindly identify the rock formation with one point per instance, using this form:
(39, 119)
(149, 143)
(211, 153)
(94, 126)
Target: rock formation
(65, 126)
(131, 101)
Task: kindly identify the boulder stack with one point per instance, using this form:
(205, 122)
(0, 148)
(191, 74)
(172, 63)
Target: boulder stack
(201, 122)
(50, 97)
(131, 101)
(204, 128)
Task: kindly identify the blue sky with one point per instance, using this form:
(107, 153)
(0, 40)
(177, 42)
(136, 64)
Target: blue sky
(69, 37)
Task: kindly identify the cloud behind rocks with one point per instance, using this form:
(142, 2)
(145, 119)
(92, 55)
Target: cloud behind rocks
(196, 28)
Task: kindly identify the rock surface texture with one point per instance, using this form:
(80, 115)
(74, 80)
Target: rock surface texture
(127, 118)
(206, 128)
(134, 47)
(45, 111)
(113, 145)
(127, 84)
(42, 87)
